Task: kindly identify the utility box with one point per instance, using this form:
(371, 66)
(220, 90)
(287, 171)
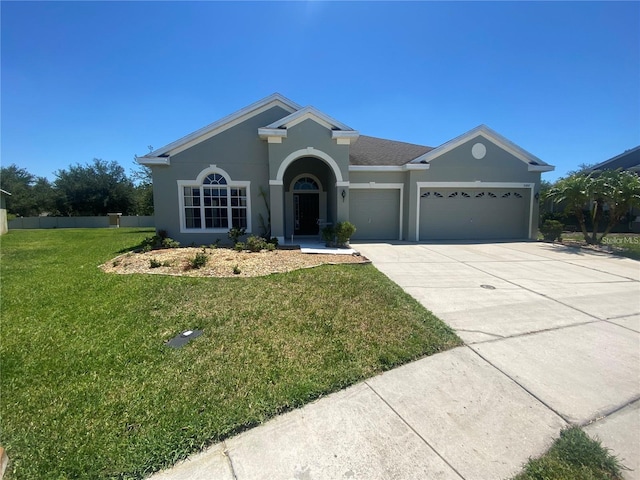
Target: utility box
(114, 220)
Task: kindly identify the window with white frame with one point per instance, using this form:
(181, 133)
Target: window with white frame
(214, 204)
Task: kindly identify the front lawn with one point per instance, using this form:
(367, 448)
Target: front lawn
(574, 456)
(89, 390)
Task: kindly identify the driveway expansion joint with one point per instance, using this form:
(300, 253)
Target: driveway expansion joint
(225, 452)
(610, 412)
(533, 395)
(424, 440)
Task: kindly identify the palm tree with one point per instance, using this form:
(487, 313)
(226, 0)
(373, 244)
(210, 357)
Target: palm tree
(574, 192)
(615, 190)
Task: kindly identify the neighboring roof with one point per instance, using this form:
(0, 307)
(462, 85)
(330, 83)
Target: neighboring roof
(5, 192)
(627, 160)
(534, 163)
(379, 151)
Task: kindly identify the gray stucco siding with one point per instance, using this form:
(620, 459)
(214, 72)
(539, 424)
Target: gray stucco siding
(308, 133)
(238, 151)
(498, 165)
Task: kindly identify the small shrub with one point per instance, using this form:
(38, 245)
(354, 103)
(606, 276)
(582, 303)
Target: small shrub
(215, 244)
(166, 263)
(153, 263)
(236, 270)
(256, 244)
(551, 230)
(270, 247)
(344, 231)
(170, 243)
(147, 248)
(235, 233)
(274, 241)
(329, 235)
(200, 260)
(116, 262)
(240, 246)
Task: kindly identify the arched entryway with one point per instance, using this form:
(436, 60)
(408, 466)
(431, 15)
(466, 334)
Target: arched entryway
(306, 191)
(309, 185)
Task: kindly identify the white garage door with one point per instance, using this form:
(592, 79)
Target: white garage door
(375, 213)
(474, 213)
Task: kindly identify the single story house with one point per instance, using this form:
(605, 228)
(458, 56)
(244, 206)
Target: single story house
(275, 165)
(627, 160)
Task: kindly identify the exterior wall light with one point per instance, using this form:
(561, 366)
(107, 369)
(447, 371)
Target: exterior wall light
(344, 194)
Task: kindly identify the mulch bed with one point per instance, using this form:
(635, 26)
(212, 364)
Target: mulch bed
(222, 262)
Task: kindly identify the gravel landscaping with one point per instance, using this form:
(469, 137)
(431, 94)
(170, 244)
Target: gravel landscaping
(222, 262)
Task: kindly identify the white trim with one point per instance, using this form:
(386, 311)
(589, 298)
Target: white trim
(276, 183)
(342, 184)
(198, 183)
(274, 100)
(309, 113)
(305, 175)
(422, 185)
(149, 161)
(490, 135)
(345, 137)
(385, 186)
(308, 152)
(541, 168)
(389, 168)
(376, 168)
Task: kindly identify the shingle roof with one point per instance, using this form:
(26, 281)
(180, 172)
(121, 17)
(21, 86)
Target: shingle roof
(379, 151)
(628, 160)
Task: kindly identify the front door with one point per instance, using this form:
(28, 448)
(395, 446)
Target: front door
(306, 213)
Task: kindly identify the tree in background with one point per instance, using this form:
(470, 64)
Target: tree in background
(143, 194)
(97, 188)
(606, 194)
(30, 195)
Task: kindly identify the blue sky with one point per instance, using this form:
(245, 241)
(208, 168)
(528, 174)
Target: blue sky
(84, 80)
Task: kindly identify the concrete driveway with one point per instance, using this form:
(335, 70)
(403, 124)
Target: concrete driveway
(552, 339)
(562, 323)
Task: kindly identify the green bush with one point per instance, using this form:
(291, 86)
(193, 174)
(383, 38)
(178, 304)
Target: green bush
(551, 230)
(240, 246)
(235, 233)
(170, 243)
(329, 235)
(256, 244)
(200, 260)
(153, 263)
(236, 270)
(344, 231)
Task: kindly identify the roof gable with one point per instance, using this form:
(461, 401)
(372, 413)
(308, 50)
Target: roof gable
(156, 157)
(534, 163)
(276, 131)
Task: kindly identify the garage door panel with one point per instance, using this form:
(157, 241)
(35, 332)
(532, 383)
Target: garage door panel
(375, 213)
(474, 214)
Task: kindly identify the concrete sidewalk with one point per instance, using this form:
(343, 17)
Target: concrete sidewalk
(553, 338)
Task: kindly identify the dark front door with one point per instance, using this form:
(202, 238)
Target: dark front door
(306, 212)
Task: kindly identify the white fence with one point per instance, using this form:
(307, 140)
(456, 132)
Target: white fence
(78, 222)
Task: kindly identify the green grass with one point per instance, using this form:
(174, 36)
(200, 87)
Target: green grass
(88, 389)
(623, 244)
(573, 456)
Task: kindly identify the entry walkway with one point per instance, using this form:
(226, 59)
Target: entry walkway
(552, 338)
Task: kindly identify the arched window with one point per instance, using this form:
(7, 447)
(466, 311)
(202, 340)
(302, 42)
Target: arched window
(306, 183)
(215, 204)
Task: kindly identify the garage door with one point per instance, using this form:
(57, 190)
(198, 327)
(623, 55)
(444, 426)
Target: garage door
(375, 213)
(474, 213)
